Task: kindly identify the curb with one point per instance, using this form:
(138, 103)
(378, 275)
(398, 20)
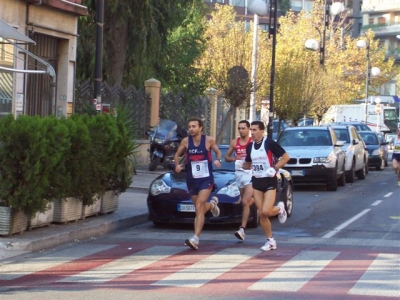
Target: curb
(84, 233)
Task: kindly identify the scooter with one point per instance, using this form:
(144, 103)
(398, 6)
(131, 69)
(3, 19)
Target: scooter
(165, 138)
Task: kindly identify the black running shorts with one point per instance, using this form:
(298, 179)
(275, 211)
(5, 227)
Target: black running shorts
(264, 184)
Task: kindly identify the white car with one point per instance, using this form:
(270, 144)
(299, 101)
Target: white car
(356, 160)
(316, 156)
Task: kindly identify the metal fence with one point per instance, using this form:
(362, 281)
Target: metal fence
(173, 106)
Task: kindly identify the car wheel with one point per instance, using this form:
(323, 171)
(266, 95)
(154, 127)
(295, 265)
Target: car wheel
(351, 175)
(255, 218)
(386, 162)
(342, 179)
(289, 200)
(382, 166)
(367, 167)
(361, 173)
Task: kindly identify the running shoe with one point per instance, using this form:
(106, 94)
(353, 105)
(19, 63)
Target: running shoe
(282, 214)
(398, 183)
(269, 245)
(240, 233)
(215, 208)
(192, 243)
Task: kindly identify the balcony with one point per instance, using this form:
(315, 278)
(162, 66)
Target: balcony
(380, 6)
(389, 28)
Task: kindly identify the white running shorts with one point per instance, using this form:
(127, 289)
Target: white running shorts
(243, 178)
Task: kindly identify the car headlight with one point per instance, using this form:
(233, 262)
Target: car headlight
(377, 152)
(231, 190)
(159, 187)
(321, 160)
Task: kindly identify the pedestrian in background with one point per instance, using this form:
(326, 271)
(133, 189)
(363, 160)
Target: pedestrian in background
(199, 176)
(262, 157)
(242, 176)
(396, 156)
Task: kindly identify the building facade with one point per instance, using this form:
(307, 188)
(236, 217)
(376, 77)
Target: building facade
(37, 76)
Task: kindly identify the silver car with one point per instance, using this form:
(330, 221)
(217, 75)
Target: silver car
(356, 161)
(315, 154)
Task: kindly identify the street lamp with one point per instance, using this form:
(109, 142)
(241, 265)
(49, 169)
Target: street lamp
(333, 10)
(374, 71)
(259, 7)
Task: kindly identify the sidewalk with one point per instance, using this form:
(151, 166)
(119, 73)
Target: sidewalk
(132, 210)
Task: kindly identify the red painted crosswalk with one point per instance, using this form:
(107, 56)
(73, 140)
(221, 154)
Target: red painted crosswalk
(215, 269)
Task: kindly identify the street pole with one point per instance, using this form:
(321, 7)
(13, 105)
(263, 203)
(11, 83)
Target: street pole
(367, 81)
(252, 115)
(99, 50)
(272, 30)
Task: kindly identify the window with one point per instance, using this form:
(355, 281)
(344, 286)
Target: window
(239, 3)
(6, 78)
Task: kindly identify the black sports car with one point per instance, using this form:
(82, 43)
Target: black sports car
(169, 200)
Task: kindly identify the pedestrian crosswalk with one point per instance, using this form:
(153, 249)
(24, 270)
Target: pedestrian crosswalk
(242, 269)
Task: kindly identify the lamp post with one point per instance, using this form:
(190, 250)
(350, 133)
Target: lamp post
(259, 7)
(330, 9)
(374, 71)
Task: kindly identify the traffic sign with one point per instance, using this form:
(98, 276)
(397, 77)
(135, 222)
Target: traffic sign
(378, 108)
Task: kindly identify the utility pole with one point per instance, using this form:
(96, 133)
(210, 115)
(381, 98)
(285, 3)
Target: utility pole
(99, 51)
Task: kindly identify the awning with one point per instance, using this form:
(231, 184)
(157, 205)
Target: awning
(8, 32)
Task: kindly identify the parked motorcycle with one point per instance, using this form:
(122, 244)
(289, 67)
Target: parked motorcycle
(165, 138)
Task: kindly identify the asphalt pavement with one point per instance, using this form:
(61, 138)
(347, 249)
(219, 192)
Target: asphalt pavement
(132, 210)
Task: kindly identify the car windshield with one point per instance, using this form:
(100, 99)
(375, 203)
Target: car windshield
(304, 137)
(284, 125)
(369, 138)
(342, 134)
(362, 127)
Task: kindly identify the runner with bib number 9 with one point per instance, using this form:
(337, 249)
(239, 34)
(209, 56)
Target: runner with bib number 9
(265, 157)
(199, 176)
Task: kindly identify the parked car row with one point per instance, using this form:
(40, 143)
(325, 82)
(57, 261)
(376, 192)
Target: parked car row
(332, 154)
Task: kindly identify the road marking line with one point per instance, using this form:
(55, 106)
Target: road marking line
(124, 265)
(388, 194)
(295, 273)
(13, 271)
(381, 279)
(348, 222)
(377, 202)
(208, 269)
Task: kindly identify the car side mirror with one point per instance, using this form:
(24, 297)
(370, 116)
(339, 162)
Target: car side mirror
(356, 141)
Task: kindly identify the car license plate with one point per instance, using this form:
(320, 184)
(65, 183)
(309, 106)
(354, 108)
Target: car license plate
(186, 208)
(297, 173)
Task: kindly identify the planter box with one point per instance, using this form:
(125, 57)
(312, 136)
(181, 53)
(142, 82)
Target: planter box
(91, 210)
(66, 210)
(43, 218)
(12, 221)
(109, 202)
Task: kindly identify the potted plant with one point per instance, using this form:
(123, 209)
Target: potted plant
(123, 167)
(29, 156)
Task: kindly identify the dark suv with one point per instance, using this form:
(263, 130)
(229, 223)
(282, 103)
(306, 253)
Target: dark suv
(315, 154)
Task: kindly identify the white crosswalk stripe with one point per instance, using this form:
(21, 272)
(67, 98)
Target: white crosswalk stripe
(123, 266)
(295, 273)
(381, 276)
(13, 271)
(209, 268)
(381, 279)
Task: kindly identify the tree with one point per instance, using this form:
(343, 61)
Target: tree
(144, 39)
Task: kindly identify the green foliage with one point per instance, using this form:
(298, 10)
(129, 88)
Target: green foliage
(145, 39)
(121, 174)
(30, 156)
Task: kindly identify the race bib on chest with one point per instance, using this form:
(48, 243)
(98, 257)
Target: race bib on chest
(259, 169)
(200, 169)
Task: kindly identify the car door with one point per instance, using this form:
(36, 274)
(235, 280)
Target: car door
(338, 152)
(358, 148)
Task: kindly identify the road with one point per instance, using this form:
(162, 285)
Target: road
(336, 245)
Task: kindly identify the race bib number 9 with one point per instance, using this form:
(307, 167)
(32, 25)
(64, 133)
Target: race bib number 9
(200, 169)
